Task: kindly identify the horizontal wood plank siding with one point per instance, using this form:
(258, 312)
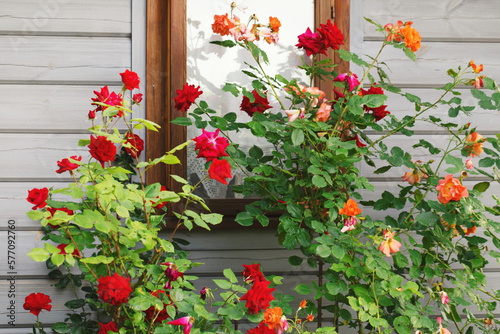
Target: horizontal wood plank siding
(53, 55)
(65, 17)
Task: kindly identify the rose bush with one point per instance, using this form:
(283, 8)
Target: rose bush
(309, 177)
(418, 263)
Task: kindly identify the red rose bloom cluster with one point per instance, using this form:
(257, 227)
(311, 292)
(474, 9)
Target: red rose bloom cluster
(114, 289)
(65, 165)
(260, 295)
(104, 96)
(261, 329)
(328, 36)
(36, 302)
(212, 147)
(186, 96)
(260, 104)
(38, 197)
(378, 112)
(109, 327)
(102, 149)
(136, 142)
(130, 80)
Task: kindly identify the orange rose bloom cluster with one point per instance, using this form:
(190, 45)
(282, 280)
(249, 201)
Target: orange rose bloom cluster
(474, 144)
(411, 36)
(403, 32)
(222, 24)
(350, 208)
(450, 189)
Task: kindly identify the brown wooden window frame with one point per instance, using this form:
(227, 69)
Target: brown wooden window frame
(166, 69)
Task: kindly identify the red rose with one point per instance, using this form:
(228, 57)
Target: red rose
(63, 252)
(311, 43)
(102, 149)
(210, 145)
(261, 329)
(66, 165)
(331, 35)
(104, 96)
(259, 105)
(136, 142)
(152, 312)
(36, 302)
(186, 96)
(114, 289)
(91, 114)
(38, 197)
(105, 328)
(130, 79)
(137, 98)
(258, 297)
(220, 170)
(252, 273)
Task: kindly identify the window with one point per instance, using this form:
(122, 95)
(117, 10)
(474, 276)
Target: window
(166, 63)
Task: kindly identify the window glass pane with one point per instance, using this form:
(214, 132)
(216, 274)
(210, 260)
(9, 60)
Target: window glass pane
(210, 66)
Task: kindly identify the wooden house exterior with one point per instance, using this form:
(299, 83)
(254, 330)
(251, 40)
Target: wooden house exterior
(54, 53)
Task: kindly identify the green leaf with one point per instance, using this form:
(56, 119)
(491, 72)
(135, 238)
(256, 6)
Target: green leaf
(303, 289)
(295, 260)
(482, 186)
(74, 304)
(231, 88)
(228, 273)
(319, 181)
(184, 121)
(244, 218)
(427, 218)
(486, 162)
(297, 137)
(39, 255)
(323, 251)
(374, 100)
(226, 43)
(212, 218)
(456, 162)
(60, 327)
(223, 284)
(382, 170)
(257, 128)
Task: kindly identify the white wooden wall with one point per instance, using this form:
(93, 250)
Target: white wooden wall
(53, 53)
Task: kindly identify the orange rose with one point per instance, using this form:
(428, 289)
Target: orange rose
(474, 144)
(323, 113)
(272, 317)
(411, 36)
(222, 24)
(303, 304)
(350, 208)
(476, 68)
(389, 245)
(450, 189)
(274, 23)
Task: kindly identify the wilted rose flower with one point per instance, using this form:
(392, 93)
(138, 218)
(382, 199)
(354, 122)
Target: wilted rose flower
(389, 245)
